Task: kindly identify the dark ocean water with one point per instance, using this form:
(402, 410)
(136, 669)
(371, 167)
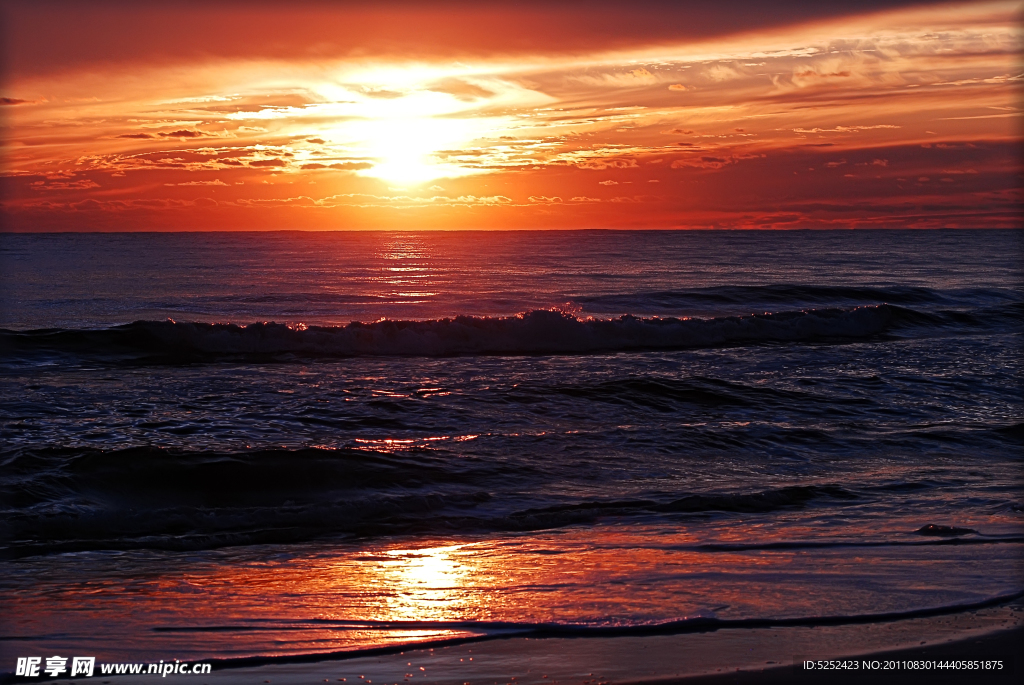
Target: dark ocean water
(318, 442)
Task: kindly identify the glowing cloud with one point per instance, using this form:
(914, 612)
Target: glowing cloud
(360, 134)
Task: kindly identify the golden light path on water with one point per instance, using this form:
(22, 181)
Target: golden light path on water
(408, 273)
(330, 597)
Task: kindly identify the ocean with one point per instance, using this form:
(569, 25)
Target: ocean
(262, 447)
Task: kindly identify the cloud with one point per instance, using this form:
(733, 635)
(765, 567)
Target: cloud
(721, 73)
(12, 101)
(677, 86)
(628, 79)
(347, 166)
(279, 111)
(971, 81)
(351, 166)
(982, 116)
(609, 182)
(599, 164)
(365, 200)
(812, 74)
(460, 89)
(703, 162)
(541, 199)
(301, 200)
(204, 202)
(536, 143)
(843, 129)
(184, 133)
(88, 205)
(215, 182)
(91, 33)
(81, 184)
(381, 93)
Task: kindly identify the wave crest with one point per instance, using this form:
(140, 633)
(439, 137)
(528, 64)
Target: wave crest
(535, 332)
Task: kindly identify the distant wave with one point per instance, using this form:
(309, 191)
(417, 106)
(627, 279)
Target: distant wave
(535, 332)
(793, 295)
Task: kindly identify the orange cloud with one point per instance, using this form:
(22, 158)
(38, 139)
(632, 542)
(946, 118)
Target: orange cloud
(838, 110)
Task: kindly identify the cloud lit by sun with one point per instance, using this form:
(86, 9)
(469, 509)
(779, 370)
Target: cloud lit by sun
(899, 117)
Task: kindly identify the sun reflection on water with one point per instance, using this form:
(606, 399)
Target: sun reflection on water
(406, 270)
(426, 584)
(334, 596)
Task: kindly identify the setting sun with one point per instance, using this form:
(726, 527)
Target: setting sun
(404, 149)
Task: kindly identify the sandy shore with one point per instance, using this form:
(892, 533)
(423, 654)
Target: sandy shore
(739, 656)
(1004, 645)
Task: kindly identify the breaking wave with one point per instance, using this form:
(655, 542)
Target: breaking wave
(535, 332)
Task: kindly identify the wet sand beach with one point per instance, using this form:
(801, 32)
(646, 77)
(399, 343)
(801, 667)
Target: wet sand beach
(741, 657)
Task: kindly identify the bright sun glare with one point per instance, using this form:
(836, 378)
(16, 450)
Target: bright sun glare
(405, 149)
(407, 137)
(414, 124)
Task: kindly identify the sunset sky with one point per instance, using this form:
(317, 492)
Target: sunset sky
(728, 114)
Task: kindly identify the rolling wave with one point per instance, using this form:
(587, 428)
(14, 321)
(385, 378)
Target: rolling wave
(61, 500)
(535, 332)
(64, 500)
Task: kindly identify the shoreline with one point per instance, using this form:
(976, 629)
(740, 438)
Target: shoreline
(1004, 644)
(716, 657)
